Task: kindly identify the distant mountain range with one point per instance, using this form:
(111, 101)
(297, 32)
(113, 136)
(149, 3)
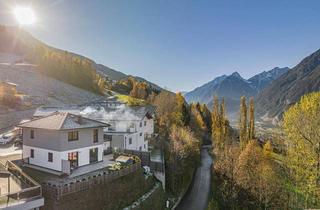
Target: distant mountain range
(304, 78)
(232, 87)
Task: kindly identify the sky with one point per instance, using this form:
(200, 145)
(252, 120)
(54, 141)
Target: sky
(178, 44)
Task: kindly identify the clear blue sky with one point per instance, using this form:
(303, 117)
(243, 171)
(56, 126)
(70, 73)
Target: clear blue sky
(179, 44)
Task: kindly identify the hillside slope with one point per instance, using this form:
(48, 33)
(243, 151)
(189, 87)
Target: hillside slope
(40, 90)
(287, 89)
(65, 66)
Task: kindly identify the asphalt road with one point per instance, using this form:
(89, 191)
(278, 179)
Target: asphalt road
(197, 196)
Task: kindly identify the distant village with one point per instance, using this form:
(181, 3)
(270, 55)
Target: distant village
(68, 142)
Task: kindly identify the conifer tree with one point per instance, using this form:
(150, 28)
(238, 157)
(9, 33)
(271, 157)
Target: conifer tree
(243, 123)
(251, 134)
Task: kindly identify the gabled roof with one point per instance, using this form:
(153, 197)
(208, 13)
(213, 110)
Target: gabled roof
(63, 121)
(142, 111)
(8, 83)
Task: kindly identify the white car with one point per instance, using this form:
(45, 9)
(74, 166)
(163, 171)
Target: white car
(6, 138)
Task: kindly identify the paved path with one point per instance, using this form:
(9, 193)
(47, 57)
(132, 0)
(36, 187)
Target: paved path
(197, 196)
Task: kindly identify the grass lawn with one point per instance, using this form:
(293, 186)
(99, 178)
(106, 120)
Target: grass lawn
(130, 100)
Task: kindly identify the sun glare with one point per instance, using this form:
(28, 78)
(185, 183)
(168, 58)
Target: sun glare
(24, 15)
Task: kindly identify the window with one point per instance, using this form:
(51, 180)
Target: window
(140, 134)
(145, 123)
(93, 155)
(107, 137)
(130, 140)
(140, 124)
(31, 153)
(95, 135)
(31, 134)
(73, 135)
(140, 148)
(50, 157)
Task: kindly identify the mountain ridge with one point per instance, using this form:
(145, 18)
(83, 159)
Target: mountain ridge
(288, 88)
(232, 87)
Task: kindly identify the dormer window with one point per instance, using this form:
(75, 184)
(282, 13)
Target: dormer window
(140, 124)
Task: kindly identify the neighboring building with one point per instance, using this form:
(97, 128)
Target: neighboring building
(9, 93)
(110, 102)
(62, 141)
(130, 128)
(18, 191)
(8, 88)
(48, 110)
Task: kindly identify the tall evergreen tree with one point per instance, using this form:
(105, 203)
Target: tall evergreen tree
(243, 137)
(251, 132)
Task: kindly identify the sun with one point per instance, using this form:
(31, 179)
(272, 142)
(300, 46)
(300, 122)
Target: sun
(24, 15)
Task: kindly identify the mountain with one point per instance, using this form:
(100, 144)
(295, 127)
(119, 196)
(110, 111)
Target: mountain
(260, 81)
(204, 93)
(288, 88)
(65, 66)
(110, 73)
(232, 87)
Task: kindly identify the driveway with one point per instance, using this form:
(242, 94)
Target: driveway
(197, 196)
(10, 149)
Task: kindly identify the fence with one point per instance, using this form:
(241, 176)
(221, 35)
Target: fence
(146, 160)
(33, 190)
(144, 156)
(57, 191)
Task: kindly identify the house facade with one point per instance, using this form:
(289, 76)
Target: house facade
(131, 133)
(130, 127)
(62, 141)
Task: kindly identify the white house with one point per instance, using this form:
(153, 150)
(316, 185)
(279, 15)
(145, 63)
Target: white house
(130, 127)
(62, 141)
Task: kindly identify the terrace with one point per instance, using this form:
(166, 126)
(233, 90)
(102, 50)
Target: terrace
(18, 190)
(43, 175)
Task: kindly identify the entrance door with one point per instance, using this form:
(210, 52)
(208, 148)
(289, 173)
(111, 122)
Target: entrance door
(94, 155)
(73, 159)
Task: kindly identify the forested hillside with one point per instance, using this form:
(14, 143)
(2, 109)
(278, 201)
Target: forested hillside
(62, 65)
(65, 66)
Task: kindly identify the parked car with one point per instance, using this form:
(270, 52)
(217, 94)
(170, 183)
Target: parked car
(6, 138)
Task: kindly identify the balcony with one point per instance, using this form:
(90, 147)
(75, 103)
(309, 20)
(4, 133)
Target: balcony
(19, 191)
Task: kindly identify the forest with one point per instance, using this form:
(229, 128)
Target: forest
(280, 171)
(253, 174)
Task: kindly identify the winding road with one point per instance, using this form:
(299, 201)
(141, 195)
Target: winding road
(197, 196)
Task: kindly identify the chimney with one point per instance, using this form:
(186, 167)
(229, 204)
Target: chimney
(79, 119)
